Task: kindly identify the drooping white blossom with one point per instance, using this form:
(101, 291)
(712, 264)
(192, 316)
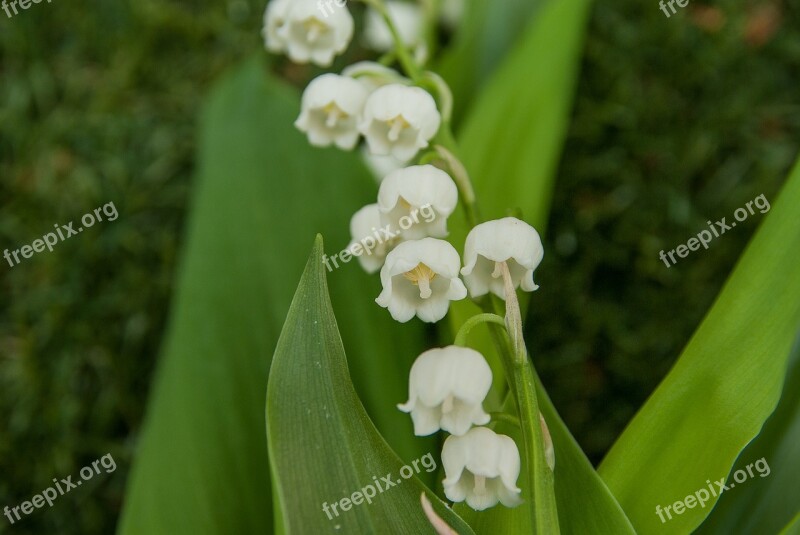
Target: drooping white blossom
(481, 468)
(307, 35)
(420, 278)
(371, 240)
(399, 120)
(446, 390)
(404, 192)
(503, 240)
(274, 19)
(408, 19)
(330, 109)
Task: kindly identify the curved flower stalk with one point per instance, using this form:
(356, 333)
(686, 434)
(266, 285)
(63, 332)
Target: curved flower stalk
(420, 278)
(298, 28)
(405, 193)
(399, 120)
(408, 19)
(446, 390)
(481, 468)
(490, 244)
(374, 75)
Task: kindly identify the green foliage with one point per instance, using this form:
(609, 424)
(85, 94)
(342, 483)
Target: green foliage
(674, 125)
(768, 501)
(205, 423)
(724, 386)
(486, 35)
(322, 445)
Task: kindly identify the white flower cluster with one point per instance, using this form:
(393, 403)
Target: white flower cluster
(420, 272)
(395, 118)
(446, 391)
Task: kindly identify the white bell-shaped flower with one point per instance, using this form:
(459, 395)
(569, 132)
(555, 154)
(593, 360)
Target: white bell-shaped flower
(329, 111)
(482, 468)
(503, 240)
(399, 120)
(309, 35)
(274, 19)
(408, 19)
(446, 390)
(404, 194)
(371, 239)
(421, 278)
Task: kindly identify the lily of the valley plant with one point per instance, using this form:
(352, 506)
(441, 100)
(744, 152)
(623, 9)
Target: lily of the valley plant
(405, 115)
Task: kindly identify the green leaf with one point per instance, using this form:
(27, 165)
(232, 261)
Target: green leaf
(486, 34)
(724, 386)
(793, 528)
(323, 446)
(262, 193)
(512, 140)
(511, 144)
(766, 502)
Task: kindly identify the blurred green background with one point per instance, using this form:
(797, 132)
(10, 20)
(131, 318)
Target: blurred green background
(677, 121)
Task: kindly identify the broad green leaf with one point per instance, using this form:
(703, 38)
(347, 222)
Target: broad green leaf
(484, 37)
(261, 195)
(511, 144)
(512, 140)
(793, 528)
(724, 386)
(770, 499)
(323, 446)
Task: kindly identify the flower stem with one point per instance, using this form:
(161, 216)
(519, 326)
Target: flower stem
(448, 149)
(520, 375)
(461, 337)
(403, 55)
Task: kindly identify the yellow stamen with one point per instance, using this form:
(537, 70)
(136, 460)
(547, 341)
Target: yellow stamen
(396, 125)
(421, 276)
(314, 29)
(334, 114)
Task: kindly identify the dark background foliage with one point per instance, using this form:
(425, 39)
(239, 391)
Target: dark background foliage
(677, 121)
